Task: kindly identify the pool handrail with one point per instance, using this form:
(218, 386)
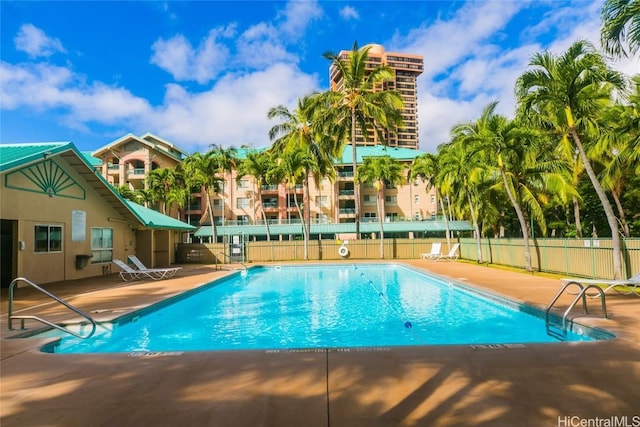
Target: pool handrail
(17, 280)
(215, 257)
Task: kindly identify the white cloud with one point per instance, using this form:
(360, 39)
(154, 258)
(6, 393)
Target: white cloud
(186, 63)
(349, 13)
(233, 112)
(297, 17)
(35, 42)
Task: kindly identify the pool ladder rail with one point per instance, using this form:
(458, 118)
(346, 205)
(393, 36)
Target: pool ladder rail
(581, 294)
(12, 317)
(227, 257)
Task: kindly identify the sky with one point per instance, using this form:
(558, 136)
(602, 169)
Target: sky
(203, 73)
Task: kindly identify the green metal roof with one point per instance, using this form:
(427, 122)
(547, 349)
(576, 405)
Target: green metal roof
(397, 153)
(16, 156)
(154, 219)
(340, 228)
(93, 161)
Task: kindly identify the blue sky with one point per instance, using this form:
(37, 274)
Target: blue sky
(206, 72)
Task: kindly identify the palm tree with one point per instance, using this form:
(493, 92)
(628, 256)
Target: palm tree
(200, 171)
(380, 171)
(577, 82)
(294, 168)
(459, 172)
(426, 166)
(224, 160)
(525, 174)
(126, 192)
(359, 105)
(160, 183)
(300, 130)
(257, 164)
(621, 22)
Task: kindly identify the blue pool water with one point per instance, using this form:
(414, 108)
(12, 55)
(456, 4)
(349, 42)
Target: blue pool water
(320, 306)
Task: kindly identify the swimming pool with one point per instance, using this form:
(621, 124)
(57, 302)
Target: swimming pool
(320, 306)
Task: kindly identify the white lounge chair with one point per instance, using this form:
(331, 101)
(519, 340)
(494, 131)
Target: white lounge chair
(129, 273)
(164, 273)
(452, 255)
(625, 287)
(435, 251)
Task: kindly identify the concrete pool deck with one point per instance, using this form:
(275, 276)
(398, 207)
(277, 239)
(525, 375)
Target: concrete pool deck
(530, 385)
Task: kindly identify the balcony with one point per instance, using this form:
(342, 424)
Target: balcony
(269, 188)
(347, 211)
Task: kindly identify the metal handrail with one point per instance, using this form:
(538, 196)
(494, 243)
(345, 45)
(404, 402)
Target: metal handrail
(584, 301)
(227, 257)
(15, 281)
(581, 294)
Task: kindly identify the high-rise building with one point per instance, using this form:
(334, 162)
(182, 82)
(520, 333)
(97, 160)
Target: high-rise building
(407, 68)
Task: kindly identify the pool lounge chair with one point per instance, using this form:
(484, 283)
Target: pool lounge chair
(165, 273)
(625, 287)
(129, 273)
(452, 255)
(435, 251)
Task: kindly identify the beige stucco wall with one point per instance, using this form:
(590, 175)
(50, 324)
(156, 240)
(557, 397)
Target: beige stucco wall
(34, 208)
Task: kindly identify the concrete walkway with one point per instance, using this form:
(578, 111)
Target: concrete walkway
(530, 385)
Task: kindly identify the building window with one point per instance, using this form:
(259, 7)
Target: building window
(322, 201)
(243, 219)
(391, 200)
(243, 184)
(433, 198)
(416, 199)
(243, 202)
(48, 238)
(369, 199)
(101, 245)
(322, 218)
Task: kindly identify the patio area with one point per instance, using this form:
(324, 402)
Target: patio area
(524, 385)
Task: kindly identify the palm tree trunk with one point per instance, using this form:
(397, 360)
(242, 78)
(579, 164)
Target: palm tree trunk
(380, 197)
(264, 214)
(623, 219)
(523, 221)
(608, 210)
(475, 226)
(214, 230)
(356, 186)
(576, 215)
(304, 228)
(446, 220)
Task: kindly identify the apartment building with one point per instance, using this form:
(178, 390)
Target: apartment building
(407, 68)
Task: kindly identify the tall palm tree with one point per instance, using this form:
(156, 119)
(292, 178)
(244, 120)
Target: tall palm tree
(380, 171)
(201, 170)
(160, 183)
(459, 173)
(359, 105)
(257, 164)
(426, 166)
(300, 130)
(294, 168)
(621, 23)
(577, 82)
(224, 160)
(525, 174)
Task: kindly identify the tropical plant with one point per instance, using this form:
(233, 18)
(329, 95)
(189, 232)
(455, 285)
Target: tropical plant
(527, 174)
(621, 23)
(161, 183)
(426, 167)
(224, 161)
(380, 171)
(577, 83)
(359, 107)
(460, 171)
(299, 132)
(257, 164)
(201, 171)
(293, 169)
